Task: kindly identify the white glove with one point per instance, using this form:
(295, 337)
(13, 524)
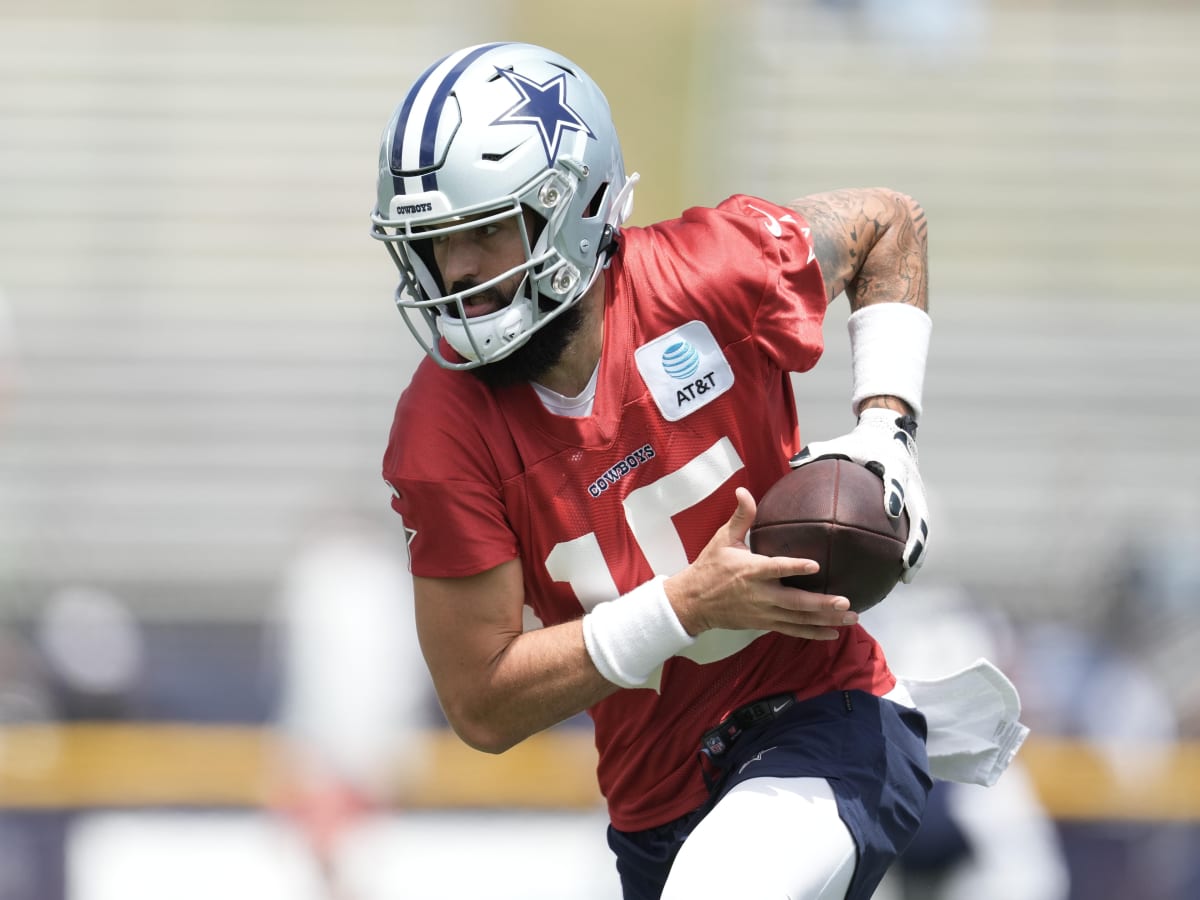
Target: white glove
(884, 442)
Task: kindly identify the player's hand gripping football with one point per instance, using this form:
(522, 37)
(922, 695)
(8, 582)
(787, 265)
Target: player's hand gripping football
(885, 442)
(728, 591)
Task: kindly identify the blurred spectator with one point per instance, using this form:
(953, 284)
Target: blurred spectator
(1101, 678)
(937, 27)
(1084, 675)
(355, 693)
(975, 843)
(26, 695)
(1154, 614)
(93, 645)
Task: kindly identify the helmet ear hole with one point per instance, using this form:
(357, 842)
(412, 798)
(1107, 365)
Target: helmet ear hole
(596, 203)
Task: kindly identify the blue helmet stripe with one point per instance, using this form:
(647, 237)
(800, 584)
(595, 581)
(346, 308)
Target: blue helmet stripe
(434, 115)
(396, 163)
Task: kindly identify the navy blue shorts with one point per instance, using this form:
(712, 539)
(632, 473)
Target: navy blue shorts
(872, 752)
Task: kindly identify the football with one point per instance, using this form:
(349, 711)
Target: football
(831, 511)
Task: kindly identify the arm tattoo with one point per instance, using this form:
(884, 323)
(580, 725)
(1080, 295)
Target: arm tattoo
(871, 244)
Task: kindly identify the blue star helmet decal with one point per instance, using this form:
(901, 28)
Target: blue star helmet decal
(543, 105)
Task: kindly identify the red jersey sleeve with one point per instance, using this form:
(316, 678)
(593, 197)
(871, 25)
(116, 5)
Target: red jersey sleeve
(744, 267)
(445, 476)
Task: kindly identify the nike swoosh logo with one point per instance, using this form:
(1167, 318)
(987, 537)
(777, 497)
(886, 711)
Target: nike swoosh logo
(781, 706)
(772, 224)
(496, 157)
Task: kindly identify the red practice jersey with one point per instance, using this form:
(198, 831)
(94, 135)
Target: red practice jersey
(705, 316)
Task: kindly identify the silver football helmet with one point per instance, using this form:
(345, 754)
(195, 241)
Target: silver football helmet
(484, 134)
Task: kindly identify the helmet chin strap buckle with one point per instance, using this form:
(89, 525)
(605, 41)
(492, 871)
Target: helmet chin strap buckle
(608, 244)
(620, 211)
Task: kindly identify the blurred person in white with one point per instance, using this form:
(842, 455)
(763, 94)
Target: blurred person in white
(354, 692)
(26, 691)
(975, 843)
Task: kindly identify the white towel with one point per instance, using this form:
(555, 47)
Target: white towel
(973, 718)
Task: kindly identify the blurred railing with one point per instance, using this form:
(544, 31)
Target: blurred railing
(180, 765)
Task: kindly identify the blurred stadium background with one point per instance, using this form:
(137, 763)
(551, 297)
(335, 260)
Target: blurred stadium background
(199, 357)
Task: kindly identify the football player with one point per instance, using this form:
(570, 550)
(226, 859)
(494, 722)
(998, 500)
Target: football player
(599, 407)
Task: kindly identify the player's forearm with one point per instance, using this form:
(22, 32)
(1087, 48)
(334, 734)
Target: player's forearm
(539, 679)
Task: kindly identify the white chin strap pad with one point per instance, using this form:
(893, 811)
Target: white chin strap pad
(492, 333)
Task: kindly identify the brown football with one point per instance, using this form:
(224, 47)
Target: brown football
(831, 511)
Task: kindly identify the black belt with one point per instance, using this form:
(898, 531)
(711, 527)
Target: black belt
(716, 742)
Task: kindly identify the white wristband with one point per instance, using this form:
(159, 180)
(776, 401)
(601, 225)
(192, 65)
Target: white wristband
(889, 343)
(631, 636)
